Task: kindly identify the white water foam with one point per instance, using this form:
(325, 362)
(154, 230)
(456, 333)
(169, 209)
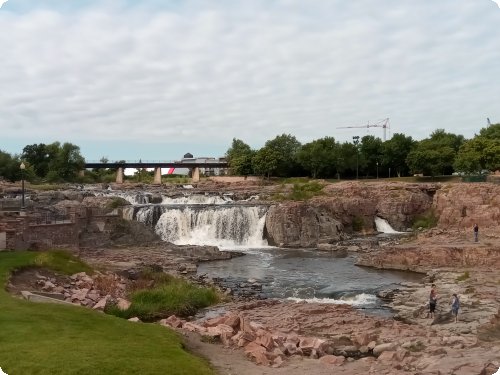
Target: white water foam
(383, 226)
(197, 199)
(358, 300)
(223, 227)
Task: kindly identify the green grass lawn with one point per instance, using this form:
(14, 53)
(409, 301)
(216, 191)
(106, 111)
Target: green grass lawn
(54, 339)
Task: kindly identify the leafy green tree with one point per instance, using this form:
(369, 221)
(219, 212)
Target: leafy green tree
(395, 151)
(481, 152)
(66, 164)
(370, 154)
(319, 157)
(285, 148)
(347, 159)
(265, 162)
(239, 157)
(39, 156)
(491, 132)
(430, 159)
(9, 167)
(435, 155)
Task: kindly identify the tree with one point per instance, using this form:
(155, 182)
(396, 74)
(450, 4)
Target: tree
(435, 155)
(481, 152)
(370, 154)
(9, 167)
(239, 157)
(265, 162)
(319, 157)
(39, 156)
(285, 148)
(429, 159)
(491, 132)
(66, 164)
(395, 151)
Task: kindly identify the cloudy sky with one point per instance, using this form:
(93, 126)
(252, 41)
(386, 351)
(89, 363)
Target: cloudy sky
(153, 79)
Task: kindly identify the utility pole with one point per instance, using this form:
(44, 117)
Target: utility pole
(355, 140)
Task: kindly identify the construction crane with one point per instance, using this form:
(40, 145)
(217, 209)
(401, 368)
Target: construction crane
(381, 124)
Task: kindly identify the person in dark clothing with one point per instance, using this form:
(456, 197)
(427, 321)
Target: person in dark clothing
(476, 233)
(432, 301)
(455, 305)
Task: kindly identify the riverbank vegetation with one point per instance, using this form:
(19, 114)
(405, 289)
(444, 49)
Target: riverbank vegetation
(301, 191)
(442, 153)
(158, 295)
(58, 339)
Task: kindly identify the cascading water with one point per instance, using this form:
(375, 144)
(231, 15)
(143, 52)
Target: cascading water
(383, 226)
(204, 220)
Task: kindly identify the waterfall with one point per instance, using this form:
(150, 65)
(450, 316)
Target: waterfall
(199, 219)
(383, 226)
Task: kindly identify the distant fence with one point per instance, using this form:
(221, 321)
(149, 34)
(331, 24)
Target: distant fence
(49, 218)
(476, 178)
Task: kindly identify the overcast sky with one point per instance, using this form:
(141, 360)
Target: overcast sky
(154, 79)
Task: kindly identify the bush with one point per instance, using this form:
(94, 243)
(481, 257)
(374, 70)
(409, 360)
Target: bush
(117, 202)
(463, 276)
(301, 191)
(357, 224)
(425, 221)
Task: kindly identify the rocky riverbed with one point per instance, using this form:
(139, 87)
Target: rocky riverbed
(297, 338)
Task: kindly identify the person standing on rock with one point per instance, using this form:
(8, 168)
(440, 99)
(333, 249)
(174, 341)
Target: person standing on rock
(432, 301)
(455, 305)
(476, 233)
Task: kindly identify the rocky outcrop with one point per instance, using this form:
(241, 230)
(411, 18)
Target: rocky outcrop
(298, 224)
(346, 208)
(462, 205)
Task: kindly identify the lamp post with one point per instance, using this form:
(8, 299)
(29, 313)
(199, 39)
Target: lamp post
(355, 140)
(377, 169)
(23, 167)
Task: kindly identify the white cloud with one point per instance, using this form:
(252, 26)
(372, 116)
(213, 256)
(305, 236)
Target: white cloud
(250, 70)
(497, 2)
(2, 2)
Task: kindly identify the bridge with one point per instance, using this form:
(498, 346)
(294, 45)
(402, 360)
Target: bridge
(193, 165)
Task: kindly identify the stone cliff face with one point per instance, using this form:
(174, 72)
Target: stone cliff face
(298, 224)
(346, 207)
(462, 205)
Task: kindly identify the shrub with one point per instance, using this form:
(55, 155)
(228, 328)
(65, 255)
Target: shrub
(117, 202)
(463, 276)
(301, 191)
(357, 224)
(426, 220)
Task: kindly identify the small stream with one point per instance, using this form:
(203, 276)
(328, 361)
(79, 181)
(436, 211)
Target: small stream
(309, 275)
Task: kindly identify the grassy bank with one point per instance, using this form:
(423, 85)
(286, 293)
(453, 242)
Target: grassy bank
(58, 339)
(165, 295)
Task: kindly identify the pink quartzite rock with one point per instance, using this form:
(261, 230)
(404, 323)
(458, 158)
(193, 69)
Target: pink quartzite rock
(256, 353)
(332, 360)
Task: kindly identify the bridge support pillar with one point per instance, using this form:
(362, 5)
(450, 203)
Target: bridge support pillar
(81, 173)
(195, 174)
(157, 178)
(119, 175)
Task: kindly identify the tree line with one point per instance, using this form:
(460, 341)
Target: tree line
(441, 153)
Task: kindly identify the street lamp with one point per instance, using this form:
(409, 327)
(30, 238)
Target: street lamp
(23, 167)
(377, 169)
(355, 140)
